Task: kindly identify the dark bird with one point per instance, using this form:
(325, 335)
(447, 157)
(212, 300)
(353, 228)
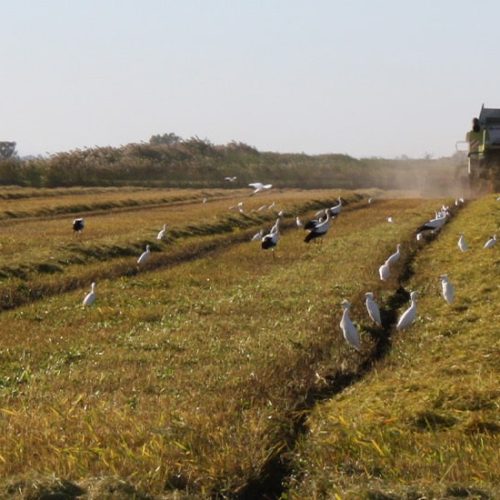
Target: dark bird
(78, 225)
(319, 229)
(270, 240)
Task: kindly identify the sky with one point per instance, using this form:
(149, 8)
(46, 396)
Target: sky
(367, 78)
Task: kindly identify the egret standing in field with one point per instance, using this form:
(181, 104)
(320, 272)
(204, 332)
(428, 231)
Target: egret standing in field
(491, 242)
(462, 244)
(349, 331)
(408, 316)
(392, 259)
(162, 233)
(384, 271)
(372, 308)
(78, 225)
(144, 257)
(298, 222)
(90, 297)
(447, 289)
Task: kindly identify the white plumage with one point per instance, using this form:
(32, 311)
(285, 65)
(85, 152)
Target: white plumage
(491, 242)
(258, 235)
(384, 271)
(436, 223)
(447, 289)
(90, 297)
(258, 187)
(270, 240)
(462, 244)
(319, 229)
(298, 222)
(408, 316)
(349, 331)
(162, 233)
(144, 257)
(372, 308)
(392, 259)
(336, 209)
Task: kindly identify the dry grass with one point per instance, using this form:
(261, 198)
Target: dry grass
(425, 423)
(188, 376)
(42, 257)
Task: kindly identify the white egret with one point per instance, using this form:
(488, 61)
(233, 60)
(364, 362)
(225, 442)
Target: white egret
(408, 316)
(392, 259)
(491, 242)
(298, 222)
(420, 236)
(447, 289)
(238, 206)
(230, 179)
(90, 297)
(462, 244)
(258, 187)
(384, 271)
(372, 308)
(144, 257)
(390, 220)
(258, 235)
(349, 331)
(162, 233)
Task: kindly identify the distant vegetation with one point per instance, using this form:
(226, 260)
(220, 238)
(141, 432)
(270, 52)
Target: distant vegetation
(167, 160)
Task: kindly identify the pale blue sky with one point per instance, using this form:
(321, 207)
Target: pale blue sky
(361, 77)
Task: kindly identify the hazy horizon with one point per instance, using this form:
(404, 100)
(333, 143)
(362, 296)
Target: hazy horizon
(367, 79)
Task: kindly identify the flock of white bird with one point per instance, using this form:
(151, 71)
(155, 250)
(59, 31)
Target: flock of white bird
(317, 228)
(349, 330)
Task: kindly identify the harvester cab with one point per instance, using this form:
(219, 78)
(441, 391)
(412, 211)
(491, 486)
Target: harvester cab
(483, 151)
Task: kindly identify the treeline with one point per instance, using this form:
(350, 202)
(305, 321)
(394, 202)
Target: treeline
(172, 162)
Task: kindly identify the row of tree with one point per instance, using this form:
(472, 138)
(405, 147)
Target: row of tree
(167, 160)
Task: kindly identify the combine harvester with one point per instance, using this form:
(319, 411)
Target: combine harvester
(483, 142)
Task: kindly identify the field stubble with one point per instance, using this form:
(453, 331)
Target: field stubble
(187, 377)
(425, 423)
